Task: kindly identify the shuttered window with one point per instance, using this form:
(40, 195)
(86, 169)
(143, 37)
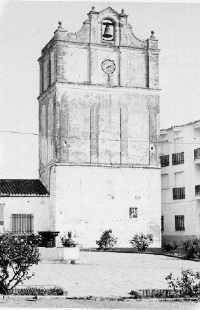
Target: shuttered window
(178, 158)
(164, 160)
(179, 223)
(178, 193)
(133, 213)
(22, 223)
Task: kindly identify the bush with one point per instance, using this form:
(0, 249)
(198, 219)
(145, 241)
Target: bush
(141, 241)
(135, 294)
(41, 291)
(17, 255)
(67, 241)
(191, 248)
(170, 247)
(107, 240)
(186, 286)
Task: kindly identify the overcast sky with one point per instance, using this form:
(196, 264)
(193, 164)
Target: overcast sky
(27, 26)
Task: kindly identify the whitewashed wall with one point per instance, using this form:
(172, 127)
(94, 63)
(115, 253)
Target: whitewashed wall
(92, 199)
(37, 206)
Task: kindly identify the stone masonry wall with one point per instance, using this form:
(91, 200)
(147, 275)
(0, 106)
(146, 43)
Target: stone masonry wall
(107, 127)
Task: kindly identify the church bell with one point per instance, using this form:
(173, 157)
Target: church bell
(108, 31)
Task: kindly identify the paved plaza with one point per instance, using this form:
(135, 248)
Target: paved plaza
(88, 304)
(110, 274)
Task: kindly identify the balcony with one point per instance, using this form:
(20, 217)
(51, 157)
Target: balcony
(178, 158)
(178, 193)
(197, 191)
(164, 160)
(197, 156)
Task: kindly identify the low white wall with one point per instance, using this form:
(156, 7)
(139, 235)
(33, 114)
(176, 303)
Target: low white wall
(92, 199)
(59, 253)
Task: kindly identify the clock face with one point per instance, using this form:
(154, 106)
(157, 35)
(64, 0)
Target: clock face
(108, 66)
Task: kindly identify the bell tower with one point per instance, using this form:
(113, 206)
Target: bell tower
(99, 122)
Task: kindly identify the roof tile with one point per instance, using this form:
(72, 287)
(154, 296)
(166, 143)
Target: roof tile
(22, 187)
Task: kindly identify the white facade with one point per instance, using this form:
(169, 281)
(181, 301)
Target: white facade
(180, 177)
(92, 199)
(36, 207)
(99, 125)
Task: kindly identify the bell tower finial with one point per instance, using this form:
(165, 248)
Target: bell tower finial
(59, 24)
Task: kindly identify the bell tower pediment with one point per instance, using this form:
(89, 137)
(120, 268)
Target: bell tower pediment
(104, 27)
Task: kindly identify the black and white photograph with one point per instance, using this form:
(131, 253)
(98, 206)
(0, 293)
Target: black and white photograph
(100, 155)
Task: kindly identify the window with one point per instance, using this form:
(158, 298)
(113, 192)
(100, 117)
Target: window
(197, 153)
(162, 223)
(133, 212)
(197, 190)
(179, 223)
(164, 160)
(108, 30)
(2, 206)
(178, 158)
(22, 223)
(178, 193)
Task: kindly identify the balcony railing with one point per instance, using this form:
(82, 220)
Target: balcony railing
(178, 158)
(197, 191)
(178, 193)
(164, 160)
(196, 154)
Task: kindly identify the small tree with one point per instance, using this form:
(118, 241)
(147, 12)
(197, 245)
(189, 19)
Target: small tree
(191, 248)
(68, 241)
(17, 255)
(187, 285)
(170, 247)
(107, 240)
(141, 241)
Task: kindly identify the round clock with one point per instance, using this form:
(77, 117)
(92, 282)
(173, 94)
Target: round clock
(108, 66)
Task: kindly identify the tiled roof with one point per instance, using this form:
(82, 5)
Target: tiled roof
(20, 187)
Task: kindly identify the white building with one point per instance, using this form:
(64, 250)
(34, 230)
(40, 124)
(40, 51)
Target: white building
(180, 178)
(24, 206)
(98, 134)
(99, 124)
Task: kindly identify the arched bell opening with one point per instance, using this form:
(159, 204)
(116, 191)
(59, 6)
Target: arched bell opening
(108, 30)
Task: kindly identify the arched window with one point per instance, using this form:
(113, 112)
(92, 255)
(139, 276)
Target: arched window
(108, 30)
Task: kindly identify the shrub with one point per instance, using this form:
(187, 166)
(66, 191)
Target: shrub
(17, 255)
(135, 294)
(41, 291)
(107, 240)
(67, 240)
(187, 285)
(141, 241)
(170, 247)
(191, 248)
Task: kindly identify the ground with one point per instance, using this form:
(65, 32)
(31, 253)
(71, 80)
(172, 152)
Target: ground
(110, 274)
(62, 303)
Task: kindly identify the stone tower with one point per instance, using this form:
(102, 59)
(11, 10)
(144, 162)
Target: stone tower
(99, 123)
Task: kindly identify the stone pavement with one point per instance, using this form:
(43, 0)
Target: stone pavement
(110, 274)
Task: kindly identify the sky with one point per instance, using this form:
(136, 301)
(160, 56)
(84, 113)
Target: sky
(26, 26)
